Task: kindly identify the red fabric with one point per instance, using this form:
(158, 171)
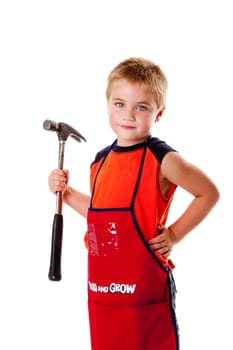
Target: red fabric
(128, 293)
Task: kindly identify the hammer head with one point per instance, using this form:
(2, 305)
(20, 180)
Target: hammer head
(63, 130)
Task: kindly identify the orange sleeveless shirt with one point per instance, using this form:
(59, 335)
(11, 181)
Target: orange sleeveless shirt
(117, 181)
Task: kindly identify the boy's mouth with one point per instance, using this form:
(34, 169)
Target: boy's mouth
(127, 127)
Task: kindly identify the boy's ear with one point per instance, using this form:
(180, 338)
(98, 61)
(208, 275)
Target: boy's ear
(159, 114)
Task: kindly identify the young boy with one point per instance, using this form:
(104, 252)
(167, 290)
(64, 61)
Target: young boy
(130, 285)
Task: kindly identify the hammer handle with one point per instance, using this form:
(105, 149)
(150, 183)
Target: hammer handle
(63, 132)
(57, 231)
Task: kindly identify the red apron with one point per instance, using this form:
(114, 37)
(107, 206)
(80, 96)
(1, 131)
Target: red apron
(130, 292)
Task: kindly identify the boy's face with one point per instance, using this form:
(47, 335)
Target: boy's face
(132, 112)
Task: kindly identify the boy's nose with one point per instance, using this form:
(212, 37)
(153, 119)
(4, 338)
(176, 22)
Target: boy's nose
(129, 115)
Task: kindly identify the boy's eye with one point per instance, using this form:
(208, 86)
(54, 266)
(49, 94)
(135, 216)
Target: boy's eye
(141, 108)
(119, 104)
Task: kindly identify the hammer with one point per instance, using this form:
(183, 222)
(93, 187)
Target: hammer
(63, 132)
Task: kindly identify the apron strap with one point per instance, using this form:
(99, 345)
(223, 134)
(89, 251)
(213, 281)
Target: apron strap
(101, 164)
(139, 177)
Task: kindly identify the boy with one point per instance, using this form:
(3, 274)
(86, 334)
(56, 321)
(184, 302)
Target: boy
(130, 285)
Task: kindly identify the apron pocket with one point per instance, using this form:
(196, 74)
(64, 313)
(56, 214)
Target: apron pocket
(147, 327)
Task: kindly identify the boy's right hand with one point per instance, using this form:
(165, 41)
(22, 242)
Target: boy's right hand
(58, 180)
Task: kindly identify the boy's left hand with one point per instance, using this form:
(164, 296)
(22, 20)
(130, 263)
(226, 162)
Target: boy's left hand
(163, 243)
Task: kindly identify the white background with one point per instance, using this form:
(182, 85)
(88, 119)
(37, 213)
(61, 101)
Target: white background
(54, 61)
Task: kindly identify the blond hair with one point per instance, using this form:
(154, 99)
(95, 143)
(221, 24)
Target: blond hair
(140, 70)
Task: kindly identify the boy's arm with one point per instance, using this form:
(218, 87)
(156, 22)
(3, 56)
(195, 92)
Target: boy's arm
(77, 200)
(177, 170)
(180, 172)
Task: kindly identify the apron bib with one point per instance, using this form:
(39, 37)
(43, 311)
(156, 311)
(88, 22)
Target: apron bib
(130, 292)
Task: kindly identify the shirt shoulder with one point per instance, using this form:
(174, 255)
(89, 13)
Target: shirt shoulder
(101, 154)
(159, 148)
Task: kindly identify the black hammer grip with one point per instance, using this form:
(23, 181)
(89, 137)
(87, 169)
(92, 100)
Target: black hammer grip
(56, 248)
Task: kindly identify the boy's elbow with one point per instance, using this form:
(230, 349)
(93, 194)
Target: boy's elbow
(215, 195)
